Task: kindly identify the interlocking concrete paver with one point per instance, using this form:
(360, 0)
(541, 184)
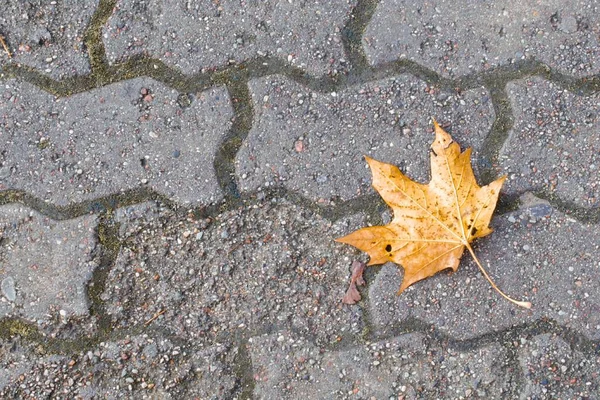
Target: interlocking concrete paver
(314, 143)
(46, 35)
(50, 262)
(196, 36)
(194, 181)
(554, 144)
(220, 277)
(555, 370)
(13, 362)
(535, 253)
(17, 367)
(291, 367)
(456, 38)
(118, 137)
(141, 366)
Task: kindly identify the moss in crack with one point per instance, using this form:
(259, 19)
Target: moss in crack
(109, 246)
(11, 196)
(352, 33)
(488, 159)
(10, 327)
(582, 214)
(224, 162)
(242, 369)
(93, 39)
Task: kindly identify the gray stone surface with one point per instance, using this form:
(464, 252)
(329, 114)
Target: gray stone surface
(219, 277)
(18, 368)
(288, 366)
(46, 35)
(555, 370)
(196, 36)
(554, 144)
(456, 38)
(314, 143)
(14, 361)
(535, 253)
(141, 367)
(118, 137)
(49, 262)
(237, 297)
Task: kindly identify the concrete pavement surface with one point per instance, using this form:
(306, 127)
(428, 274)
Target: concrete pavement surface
(173, 175)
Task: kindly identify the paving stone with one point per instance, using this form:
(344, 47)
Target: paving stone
(12, 362)
(244, 271)
(114, 138)
(314, 143)
(49, 263)
(141, 366)
(195, 36)
(47, 36)
(461, 37)
(535, 253)
(553, 145)
(21, 368)
(288, 366)
(553, 369)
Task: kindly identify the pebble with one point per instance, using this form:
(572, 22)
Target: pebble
(8, 288)
(568, 24)
(4, 172)
(321, 179)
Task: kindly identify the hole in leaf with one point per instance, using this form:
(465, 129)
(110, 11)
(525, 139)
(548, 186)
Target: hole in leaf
(388, 248)
(473, 231)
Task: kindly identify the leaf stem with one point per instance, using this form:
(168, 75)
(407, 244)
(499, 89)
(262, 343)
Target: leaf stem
(524, 304)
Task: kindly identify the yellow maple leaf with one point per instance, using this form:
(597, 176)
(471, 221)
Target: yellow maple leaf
(433, 223)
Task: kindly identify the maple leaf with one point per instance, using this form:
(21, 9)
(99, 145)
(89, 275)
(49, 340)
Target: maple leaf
(433, 223)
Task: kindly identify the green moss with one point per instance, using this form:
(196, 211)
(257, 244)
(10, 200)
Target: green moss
(243, 372)
(20, 328)
(11, 327)
(93, 39)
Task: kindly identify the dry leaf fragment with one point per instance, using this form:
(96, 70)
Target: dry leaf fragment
(433, 223)
(352, 294)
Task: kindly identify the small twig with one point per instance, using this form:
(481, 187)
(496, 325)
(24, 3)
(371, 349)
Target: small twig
(3, 43)
(156, 315)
